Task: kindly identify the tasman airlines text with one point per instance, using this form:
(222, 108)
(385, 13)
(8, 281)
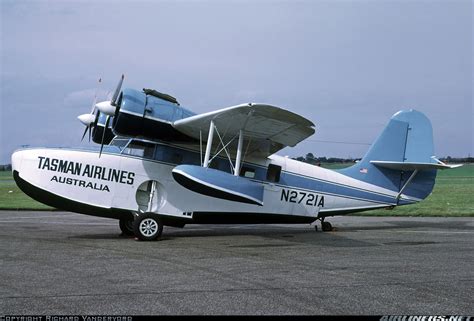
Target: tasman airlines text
(85, 170)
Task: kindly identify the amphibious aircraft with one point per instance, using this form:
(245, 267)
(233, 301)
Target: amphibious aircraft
(159, 164)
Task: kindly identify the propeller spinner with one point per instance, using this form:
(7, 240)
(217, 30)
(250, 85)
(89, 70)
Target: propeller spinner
(108, 108)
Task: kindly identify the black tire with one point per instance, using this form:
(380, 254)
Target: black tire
(126, 226)
(147, 227)
(326, 226)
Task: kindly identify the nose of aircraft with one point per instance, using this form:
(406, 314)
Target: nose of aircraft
(17, 158)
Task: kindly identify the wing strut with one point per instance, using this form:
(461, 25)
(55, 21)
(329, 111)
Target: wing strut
(240, 147)
(238, 159)
(200, 146)
(209, 144)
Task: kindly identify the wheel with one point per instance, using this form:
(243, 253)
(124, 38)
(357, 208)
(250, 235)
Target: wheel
(147, 227)
(326, 226)
(126, 226)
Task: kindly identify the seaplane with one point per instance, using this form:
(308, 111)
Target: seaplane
(159, 164)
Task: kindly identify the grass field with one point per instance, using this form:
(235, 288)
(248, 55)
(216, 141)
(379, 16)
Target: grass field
(12, 198)
(453, 195)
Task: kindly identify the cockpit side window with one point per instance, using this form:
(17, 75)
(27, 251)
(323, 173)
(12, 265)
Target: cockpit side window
(247, 172)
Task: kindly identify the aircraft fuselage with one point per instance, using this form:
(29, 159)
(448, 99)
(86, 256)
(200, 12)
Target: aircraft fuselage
(139, 179)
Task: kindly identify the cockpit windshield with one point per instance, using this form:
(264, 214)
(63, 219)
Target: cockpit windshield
(120, 142)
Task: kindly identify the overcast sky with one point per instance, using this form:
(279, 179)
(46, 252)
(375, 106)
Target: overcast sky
(346, 65)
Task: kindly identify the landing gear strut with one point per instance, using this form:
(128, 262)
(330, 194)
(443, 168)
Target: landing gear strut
(325, 226)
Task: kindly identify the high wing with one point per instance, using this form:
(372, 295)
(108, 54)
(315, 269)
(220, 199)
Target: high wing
(266, 128)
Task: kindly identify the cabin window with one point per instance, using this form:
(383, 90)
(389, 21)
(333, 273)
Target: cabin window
(214, 164)
(140, 149)
(177, 158)
(159, 153)
(273, 173)
(219, 164)
(247, 172)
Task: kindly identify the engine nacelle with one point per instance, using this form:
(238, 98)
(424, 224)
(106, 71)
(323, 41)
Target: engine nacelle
(149, 114)
(99, 127)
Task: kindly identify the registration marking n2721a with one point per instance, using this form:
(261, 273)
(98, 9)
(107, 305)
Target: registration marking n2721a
(300, 197)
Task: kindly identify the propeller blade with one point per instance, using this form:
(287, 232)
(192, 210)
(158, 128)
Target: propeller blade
(95, 95)
(85, 132)
(88, 119)
(113, 102)
(103, 135)
(96, 120)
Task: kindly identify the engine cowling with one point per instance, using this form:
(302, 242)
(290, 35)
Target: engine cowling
(148, 114)
(99, 127)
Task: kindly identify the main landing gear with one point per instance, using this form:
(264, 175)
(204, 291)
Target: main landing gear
(126, 226)
(147, 227)
(325, 226)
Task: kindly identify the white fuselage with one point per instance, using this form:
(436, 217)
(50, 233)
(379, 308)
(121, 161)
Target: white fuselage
(119, 181)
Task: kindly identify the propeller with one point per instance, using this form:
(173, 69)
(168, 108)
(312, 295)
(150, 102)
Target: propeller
(88, 119)
(117, 91)
(109, 108)
(103, 135)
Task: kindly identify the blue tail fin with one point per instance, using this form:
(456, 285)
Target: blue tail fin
(407, 139)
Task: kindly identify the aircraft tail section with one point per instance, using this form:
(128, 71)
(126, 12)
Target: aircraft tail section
(401, 159)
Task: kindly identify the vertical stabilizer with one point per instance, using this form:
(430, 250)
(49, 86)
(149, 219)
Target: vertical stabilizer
(407, 139)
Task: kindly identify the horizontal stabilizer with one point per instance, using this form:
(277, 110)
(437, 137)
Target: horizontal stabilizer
(411, 166)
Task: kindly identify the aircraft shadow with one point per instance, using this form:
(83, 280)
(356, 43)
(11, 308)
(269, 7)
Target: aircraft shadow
(303, 234)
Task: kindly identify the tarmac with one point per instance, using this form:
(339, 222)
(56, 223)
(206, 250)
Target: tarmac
(56, 263)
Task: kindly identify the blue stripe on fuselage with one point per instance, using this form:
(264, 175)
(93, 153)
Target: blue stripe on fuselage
(298, 181)
(292, 180)
(287, 179)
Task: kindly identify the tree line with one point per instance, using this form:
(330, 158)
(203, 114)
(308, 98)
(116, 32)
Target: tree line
(7, 167)
(311, 159)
